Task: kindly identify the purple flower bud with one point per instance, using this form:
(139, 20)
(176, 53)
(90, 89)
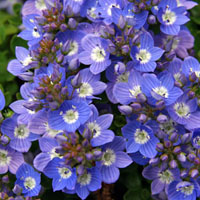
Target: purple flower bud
(119, 68)
(141, 98)
(191, 94)
(53, 26)
(173, 164)
(173, 137)
(111, 48)
(160, 104)
(184, 173)
(97, 153)
(193, 173)
(197, 161)
(49, 97)
(80, 169)
(177, 84)
(17, 189)
(185, 138)
(59, 59)
(5, 179)
(72, 23)
(151, 19)
(164, 157)
(4, 139)
(76, 81)
(167, 143)
(63, 27)
(154, 161)
(155, 2)
(193, 77)
(47, 28)
(191, 156)
(61, 17)
(65, 47)
(142, 6)
(125, 109)
(181, 157)
(177, 150)
(159, 147)
(125, 49)
(89, 156)
(162, 118)
(142, 118)
(85, 143)
(136, 106)
(53, 105)
(64, 91)
(122, 22)
(74, 64)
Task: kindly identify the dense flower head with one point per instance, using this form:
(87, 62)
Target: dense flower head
(83, 57)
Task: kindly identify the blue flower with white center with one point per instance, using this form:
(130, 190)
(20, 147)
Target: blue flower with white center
(187, 190)
(18, 67)
(97, 127)
(19, 134)
(69, 116)
(113, 157)
(90, 180)
(95, 53)
(9, 159)
(146, 54)
(2, 100)
(63, 176)
(191, 65)
(32, 33)
(140, 138)
(196, 139)
(161, 89)
(127, 92)
(171, 17)
(28, 180)
(184, 111)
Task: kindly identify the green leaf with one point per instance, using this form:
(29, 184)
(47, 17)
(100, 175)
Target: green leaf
(2, 34)
(132, 195)
(17, 8)
(17, 41)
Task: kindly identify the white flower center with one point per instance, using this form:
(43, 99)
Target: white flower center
(143, 56)
(166, 177)
(4, 158)
(94, 128)
(27, 61)
(123, 77)
(98, 54)
(21, 132)
(51, 132)
(65, 172)
(141, 136)
(85, 90)
(35, 32)
(177, 76)
(135, 91)
(73, 48)
(182, 110)
(186, 190)
(91, 12)
(162, 91)
(40, 4)
(84, 179)
(54, 154)
(108, 157)
(169, 17)
(29, 183)
(71, 116)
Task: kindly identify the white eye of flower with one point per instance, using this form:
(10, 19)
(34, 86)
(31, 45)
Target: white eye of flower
(84, 179)
(98, 54)
(73, 48)
(94, 128)
(35, 32)
(64, 172)
(143, 56)
(186, 190)
(166, 177)
(168, 127)
(108, 157)
(91, 12)
(40, 4)
(182, 110)
(123, 77)
(29, 183)
(71, 116)
(135, 91)
(169, 17)
(51, 132)
(162, 91)
(21, 132)
(177, 76)
(85, 90)
(4, 158)
(141, 136)
(54, 154)
(27, 61)
(109, 10)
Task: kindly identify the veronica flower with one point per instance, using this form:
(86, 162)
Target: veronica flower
(196, 139)
(69, 116)
(188, 4)
(127, 92)
(187, 190)
(171, 17)
(184, 111)
(74, 5)
(160, 89)
(2, 100)
(161, 177)
(19, 134)
(144, 57)
(113, 158)
(28, 180)
(95, 53)
(18, 67)
(9, 159)
(33, 32)
(90, 180)
(97, 126)
(62, 175)
(140, 138)
(139, 158)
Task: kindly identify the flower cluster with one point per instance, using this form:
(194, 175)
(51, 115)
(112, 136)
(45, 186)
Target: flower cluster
(77, 50)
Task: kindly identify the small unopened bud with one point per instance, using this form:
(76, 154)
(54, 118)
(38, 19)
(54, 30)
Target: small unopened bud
(193, 173)
(181, 157)
(80, 169)
(191, 94)
(89, 156)
(122, 22)
(162, 118)
(154, 161)
(193, 77)
(185, 138)
(74, 64)
(167, 143)
(159, 147)
(173, 164)
(125, 49)
(173, 137)
(191, 157)
(76, 81)
(164, 157)
(136, 106)
(177, 150)
(72, 23)
(17, 189)
(141, 98)
(119, 68)
(160, 104)
(151, 19)
(142, 118)
(63, 27)
(125, 109)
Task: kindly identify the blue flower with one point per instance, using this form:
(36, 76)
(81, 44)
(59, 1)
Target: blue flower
(95, 53)
(161, 89)
(144, 57)
(2, 100)
(69, 116)
(171, 17)
(140, 138)
(196, 139)
(113, 158)
(28, 180)
(74, 5)
(62, 175)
